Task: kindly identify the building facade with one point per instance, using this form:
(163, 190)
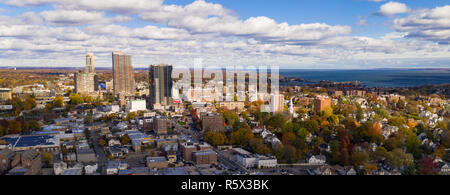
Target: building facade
(212, 122)
(85, 81)
(123, 75)
(5, 94)
(321, 103)
(160, 78)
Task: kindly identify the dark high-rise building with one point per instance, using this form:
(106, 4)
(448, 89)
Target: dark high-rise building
(123, 76)
(160, 77)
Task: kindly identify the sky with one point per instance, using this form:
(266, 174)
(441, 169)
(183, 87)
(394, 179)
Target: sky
(322, 34)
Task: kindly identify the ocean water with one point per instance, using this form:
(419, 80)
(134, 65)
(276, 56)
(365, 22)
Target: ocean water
(376, 77)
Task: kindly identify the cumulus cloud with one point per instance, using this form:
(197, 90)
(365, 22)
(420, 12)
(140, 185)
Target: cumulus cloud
(78, 17)
(392, 8)
(204, 17)
(427, 24)
(128, 7)
(61, 35)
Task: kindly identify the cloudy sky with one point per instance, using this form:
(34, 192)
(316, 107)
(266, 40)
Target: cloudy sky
(289, 33)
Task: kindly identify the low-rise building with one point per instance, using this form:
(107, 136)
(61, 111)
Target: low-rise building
(157, 162)
(205, 157)
(86, 156)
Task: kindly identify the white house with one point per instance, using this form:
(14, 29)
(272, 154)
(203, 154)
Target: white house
(265, 133)
(317, 160)
(90, 169)
(445, 170)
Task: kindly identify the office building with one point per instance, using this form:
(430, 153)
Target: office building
(160, 85)
(123, 76)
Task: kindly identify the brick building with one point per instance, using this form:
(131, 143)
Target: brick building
(212, 121)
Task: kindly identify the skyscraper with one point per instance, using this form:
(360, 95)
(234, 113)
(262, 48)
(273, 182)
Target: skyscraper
(160, 77)
(123, 76)
(84, 80)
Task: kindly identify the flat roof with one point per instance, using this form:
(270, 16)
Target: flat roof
(206, 152)
(156, 159)
(36, 140)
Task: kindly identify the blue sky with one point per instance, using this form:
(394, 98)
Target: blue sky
(290, 33)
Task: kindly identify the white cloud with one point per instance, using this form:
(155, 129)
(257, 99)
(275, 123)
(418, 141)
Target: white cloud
(128, 6)
(391, 8)
(78, 17)
(62, 35)
(427, 24)
(204, 17)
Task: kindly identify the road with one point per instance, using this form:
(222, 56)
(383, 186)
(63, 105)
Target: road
(102, 160)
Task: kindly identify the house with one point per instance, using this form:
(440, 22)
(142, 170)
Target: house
(114, 142)
(445, 169)
(273, 140)
(265, 133)
(58, 168)
(114, 167)
(317, 160)
(91, 169)
(116, 152)
(323, 170)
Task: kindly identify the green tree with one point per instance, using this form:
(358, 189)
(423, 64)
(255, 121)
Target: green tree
(413, 144)
(241, 137)
(47, 157)
(257, 145)
(131, 116)
(58, 102)
(125, 139)
(215, 138)
(400, 158)
(102, 142)
(276, 121)
(76, 99)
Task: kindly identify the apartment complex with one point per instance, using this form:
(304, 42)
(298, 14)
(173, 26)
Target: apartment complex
(160, 77)
(212, 122)
(320, 103)
(85, 81)
(123, 75)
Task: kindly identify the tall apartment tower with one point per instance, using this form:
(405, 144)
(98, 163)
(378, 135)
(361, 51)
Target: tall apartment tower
(90, 63)
(85, 80)
(123, 76)
(160, 77)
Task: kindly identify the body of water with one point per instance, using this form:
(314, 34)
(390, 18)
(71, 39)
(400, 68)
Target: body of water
(375, 78)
